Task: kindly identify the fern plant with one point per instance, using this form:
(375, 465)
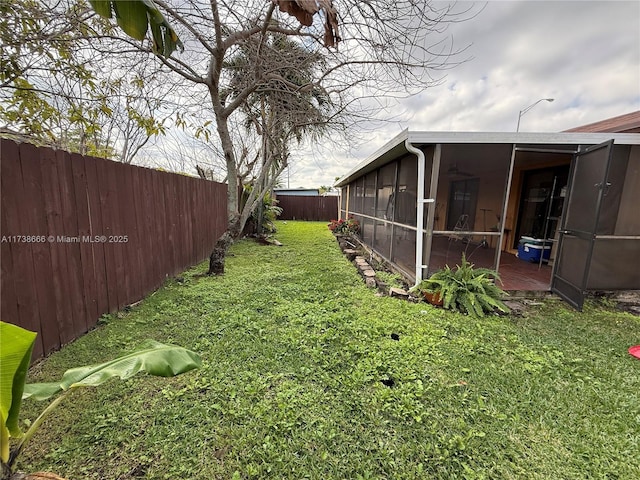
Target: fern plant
(466, 289)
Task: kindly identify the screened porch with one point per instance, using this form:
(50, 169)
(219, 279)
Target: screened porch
(482, 199)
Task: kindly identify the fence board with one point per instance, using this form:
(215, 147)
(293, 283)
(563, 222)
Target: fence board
(96, 228)
(117, 229)
(170, 219)
(186, 227)
(132, 243)
(16, 200)
(106, 197)
(159, 226)
(82, 230)
(43, 274)
(59, 288)
(8, 310)
(199, 222)
(121, 209)
(308, 208)
(12, 251)
(53, 209)
(70, 229)
(145, 215)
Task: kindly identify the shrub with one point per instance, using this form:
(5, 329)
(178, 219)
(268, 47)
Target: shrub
(466, 289)
(348, 226)
(263, 216)
(270, 213)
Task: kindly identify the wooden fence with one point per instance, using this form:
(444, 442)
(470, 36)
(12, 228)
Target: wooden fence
(85, 236)
(308, 208)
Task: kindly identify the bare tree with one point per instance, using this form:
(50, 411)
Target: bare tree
(379, 49)
(180, 151)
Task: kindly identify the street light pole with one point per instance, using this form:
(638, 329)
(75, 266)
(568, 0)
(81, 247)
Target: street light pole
(522, 112)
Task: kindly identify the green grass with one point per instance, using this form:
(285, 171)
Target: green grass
(295, 348)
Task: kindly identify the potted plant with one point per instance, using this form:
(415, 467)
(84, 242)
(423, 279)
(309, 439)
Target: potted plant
(466, 289)
(433, 297)
(15, 354)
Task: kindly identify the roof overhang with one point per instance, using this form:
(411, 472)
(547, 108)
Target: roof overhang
(396, 147)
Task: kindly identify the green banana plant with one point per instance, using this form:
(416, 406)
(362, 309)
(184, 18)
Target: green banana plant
(16, 344)
(15, 354)
(135, 17)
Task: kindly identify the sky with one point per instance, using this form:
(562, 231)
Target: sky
(583, 54)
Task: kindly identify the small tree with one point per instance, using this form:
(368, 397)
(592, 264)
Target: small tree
(385, 50)
(277, 113)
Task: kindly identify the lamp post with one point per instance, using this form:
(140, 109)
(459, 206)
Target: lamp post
(522, 112)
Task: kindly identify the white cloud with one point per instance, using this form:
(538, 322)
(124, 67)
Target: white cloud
(585, 55)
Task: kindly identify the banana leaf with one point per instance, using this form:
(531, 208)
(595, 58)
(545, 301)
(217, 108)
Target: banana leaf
(152, 357)
(101, 7)
(15, 354)
(135, 17)
(132, 18)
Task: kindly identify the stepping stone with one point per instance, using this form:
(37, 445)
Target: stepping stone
(398, 292)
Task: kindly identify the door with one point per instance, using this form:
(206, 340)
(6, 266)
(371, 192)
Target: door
(539, 201)
(587, 187)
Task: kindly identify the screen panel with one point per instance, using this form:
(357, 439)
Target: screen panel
(404, 249)
(382, 238)
(614, 265)
(369, 194)
(406, 206)
(366, 230)
(385, 200)
(589, 175)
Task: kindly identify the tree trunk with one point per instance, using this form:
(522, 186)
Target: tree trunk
(235, 223)
(216, 260)
(260, 215)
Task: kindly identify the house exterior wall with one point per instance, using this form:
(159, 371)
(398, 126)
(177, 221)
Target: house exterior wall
(384, 200)
(299, 192)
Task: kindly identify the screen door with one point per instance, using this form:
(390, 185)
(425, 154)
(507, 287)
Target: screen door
(580, 221)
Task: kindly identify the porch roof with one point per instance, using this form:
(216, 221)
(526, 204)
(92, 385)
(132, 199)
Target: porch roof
(564, 140)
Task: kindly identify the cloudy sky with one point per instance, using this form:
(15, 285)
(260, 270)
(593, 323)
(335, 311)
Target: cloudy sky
(583, 54)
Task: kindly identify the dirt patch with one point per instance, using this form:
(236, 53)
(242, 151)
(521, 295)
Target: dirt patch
(627, 300)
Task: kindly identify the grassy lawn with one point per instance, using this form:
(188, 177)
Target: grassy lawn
(294, 349)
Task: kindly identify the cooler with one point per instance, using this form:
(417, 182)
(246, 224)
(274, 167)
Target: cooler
(532, 251)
